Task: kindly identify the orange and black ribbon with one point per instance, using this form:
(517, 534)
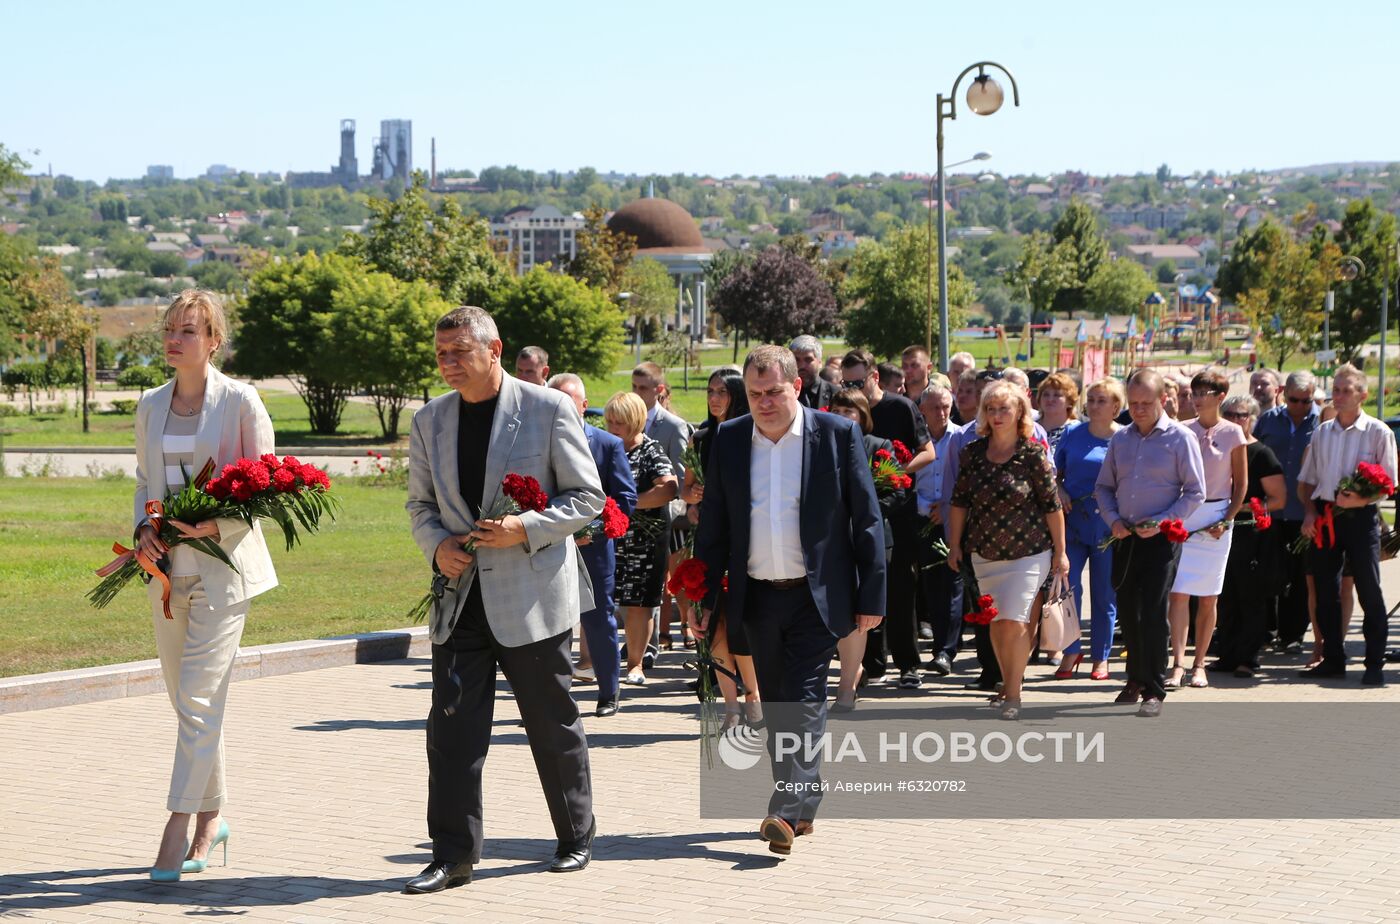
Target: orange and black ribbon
(155, 511)
(1325, 524)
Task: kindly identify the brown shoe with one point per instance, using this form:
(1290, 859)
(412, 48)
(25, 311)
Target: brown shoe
(779, 834)
(1151, 708)
(803, 827)
(1131, 693)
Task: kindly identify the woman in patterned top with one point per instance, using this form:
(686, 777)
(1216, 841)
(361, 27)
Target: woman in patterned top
(641, 552)
(1006, 515)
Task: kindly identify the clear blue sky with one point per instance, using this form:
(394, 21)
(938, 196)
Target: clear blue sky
(104, 88)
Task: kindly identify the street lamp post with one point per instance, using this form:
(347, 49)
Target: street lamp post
(984, 97)
(928, 274)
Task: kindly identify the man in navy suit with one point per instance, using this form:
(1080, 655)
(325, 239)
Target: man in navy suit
(600, 624)
(790, 513)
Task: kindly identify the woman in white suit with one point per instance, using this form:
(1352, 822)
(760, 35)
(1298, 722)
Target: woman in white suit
(199, 415)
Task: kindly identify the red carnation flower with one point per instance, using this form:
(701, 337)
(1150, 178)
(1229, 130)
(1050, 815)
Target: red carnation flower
(241, 490)
(724, 584)
(690, 575)
(615, 522)
(1376, 476)
(218, 489)
(902, 454)
(883, 455)
(291, 462)
(1173, 530)
(258, 477)
(269, 460)
(284, 480)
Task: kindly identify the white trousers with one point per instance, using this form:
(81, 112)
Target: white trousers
(197, 649)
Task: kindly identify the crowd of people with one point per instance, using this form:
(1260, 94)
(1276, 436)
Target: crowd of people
(902, 520)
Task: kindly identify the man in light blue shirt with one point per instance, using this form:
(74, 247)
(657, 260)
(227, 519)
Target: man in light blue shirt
(941, 585)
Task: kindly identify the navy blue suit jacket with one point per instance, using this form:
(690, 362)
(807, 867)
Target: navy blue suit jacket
(611, 458)
(843, 541)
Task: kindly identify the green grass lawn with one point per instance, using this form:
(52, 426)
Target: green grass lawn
(359, 426)
(360, 574)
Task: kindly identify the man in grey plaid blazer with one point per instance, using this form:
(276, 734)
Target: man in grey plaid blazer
(512, 602)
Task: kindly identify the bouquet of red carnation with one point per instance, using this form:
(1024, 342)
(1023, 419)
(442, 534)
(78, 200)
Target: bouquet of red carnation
(1174, 530)
(286, 491)
(612, 523)
(902, 455)
(518, 494)
(689, 581)
(1369, 481)
(1259, 516)
(888, 474)
(984, 614)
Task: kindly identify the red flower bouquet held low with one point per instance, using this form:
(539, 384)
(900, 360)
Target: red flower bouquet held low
(612, 523)
(984, 614)
(1174, 530)
(1369, 481)
(519, 493)
(287, 491)
(902, 455)
(888, 475)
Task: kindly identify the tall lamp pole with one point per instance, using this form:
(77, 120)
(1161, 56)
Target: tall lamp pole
(928, 303)
(984, 97)
(1385, 323)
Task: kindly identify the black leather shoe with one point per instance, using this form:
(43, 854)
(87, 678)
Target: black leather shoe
(439, 876)
(1130, 693)
(606, 707)
(1373, 677)
(572, 857)
(1324, 670)
(940, 664)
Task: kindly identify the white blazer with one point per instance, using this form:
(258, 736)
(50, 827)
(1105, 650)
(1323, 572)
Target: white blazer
(233, 424)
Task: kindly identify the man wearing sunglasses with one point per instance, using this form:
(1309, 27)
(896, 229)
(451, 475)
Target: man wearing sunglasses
(1288, 430)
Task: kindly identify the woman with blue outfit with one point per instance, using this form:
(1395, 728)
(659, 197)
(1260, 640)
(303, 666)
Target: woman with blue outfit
(1078, 457)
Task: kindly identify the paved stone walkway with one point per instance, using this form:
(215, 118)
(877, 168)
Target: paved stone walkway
(327, 773)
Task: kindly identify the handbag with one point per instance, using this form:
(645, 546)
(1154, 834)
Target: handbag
(1059, 617)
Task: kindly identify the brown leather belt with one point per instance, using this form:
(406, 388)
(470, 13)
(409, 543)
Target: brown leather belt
(785, 584)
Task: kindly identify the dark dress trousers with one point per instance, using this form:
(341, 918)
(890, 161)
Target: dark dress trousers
(793, 631)
(600, 623)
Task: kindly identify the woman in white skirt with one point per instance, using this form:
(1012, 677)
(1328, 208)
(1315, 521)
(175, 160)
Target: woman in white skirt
(1006, 515)
(199, 415)
(1201, 571)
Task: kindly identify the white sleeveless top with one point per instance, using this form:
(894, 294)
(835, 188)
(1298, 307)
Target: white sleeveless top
(177, 447)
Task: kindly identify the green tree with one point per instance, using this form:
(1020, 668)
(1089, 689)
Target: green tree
(579, 326)
(776, 297)
(1120, 286)
(410, 240)
(1042, 271)
(12, 168)
(1087, 250)
(890, 286)
(1369, 235)
(1285, 303)
(385, 331)
(288, 325)
(652, 291)
(601, 255)
(1249, 258)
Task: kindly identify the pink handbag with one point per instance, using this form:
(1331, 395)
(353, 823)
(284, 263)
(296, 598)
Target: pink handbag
(1059, 617)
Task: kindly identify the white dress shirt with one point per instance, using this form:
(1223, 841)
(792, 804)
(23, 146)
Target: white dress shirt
(1336, 450)
(775, 493)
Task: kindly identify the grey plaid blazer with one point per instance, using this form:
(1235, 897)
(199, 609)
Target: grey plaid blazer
(531, 592)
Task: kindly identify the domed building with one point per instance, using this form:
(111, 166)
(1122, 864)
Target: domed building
(667, 233)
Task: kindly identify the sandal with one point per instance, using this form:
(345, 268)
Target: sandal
(1174, 681)
(1199, 679)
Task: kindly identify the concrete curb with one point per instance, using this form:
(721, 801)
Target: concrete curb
(139, 678)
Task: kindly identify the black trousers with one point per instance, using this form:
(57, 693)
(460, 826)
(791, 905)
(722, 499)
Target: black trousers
(900, 626)
(1244, 602)
(943, 591)
(1143, 572)
(792, 651)
(459, 732)
(1292, 620)
(1359, 540)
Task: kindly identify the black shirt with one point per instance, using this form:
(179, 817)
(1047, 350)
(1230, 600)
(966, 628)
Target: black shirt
(896, 418)
(473, 439)
(1261, 462)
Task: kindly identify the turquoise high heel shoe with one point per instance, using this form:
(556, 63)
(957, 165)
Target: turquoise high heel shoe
(168, 875)
(199, 866)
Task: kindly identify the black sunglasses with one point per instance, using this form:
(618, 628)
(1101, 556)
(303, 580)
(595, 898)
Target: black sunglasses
(1237, 415)
(1300, 401)
(853, 383)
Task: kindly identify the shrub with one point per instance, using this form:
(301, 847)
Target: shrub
(141, 377)
(124, 406)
